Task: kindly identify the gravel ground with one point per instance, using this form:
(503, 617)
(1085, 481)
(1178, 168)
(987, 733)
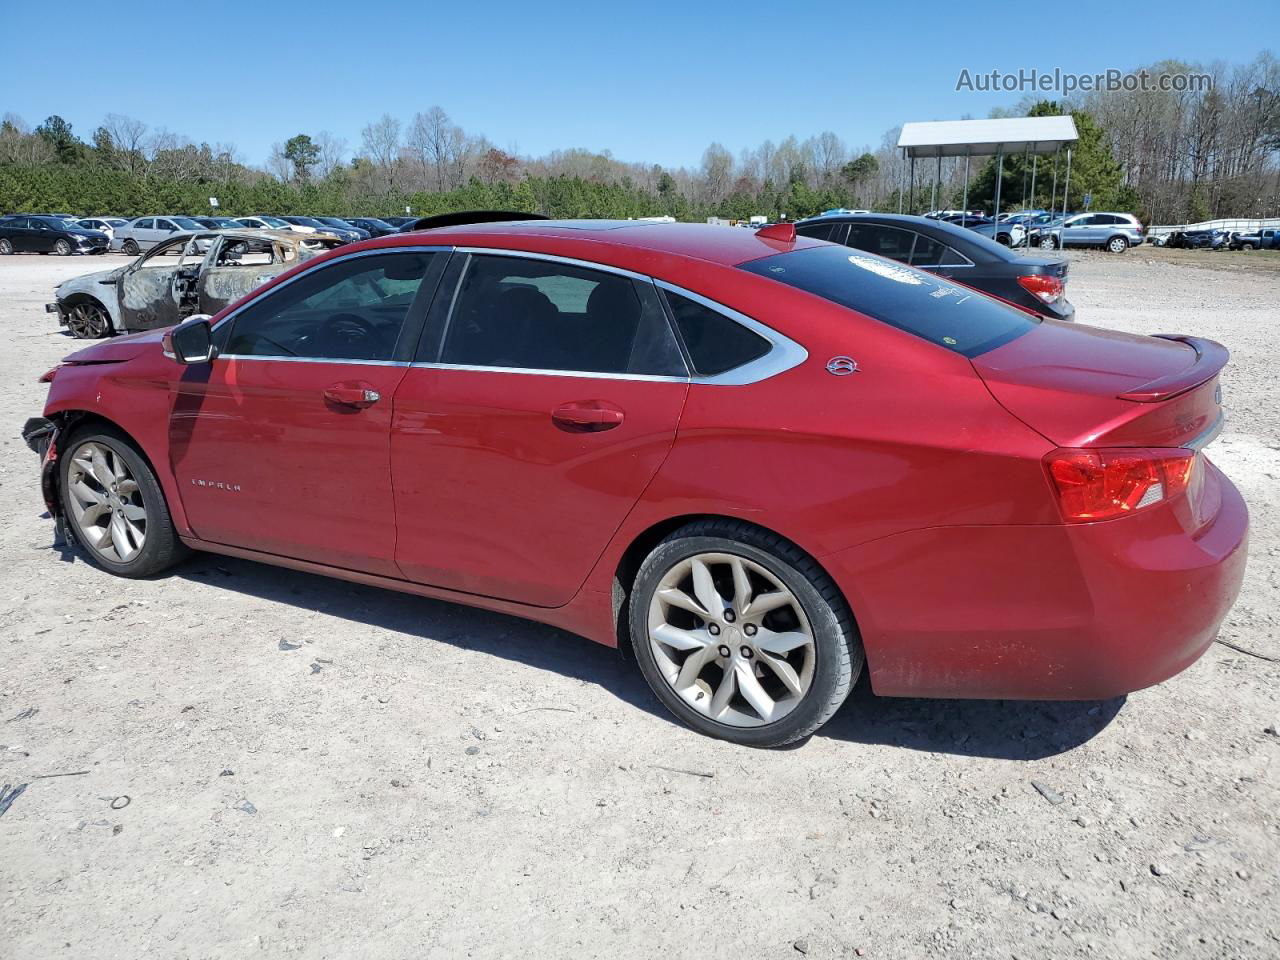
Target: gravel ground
(315, 769)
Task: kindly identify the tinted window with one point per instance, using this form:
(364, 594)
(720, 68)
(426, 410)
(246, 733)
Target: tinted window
(715, 342)
(543, 315)
(144, 224)
(16, 223)
(891, 242)
(818, 231)
(351, 310)
(956, 318)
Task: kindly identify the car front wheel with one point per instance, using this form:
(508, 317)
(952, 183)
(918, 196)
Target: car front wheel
(115, 506)
(1048, 243)
(1117, 245)
(62, 248)
(742, 635)
(88, 320)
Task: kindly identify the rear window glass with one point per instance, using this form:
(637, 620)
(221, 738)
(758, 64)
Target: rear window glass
(951, 316)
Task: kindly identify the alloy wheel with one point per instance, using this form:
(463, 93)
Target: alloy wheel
(731, 640)
(6, 248)
(62, 248)
(88, 321)
(130, 248)
(106, 502)
(1117, 245)
(1047, 243)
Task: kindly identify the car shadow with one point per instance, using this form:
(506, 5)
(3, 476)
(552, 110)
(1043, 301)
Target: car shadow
(1002, 729)
(1005, 729)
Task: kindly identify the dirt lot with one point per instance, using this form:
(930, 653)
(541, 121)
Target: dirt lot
(322, 770)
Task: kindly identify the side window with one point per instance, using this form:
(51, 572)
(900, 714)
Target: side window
(817, 231)
(147, 224)
(888, 242)
(927, 252)
(545, 315)
(953, 258)
(17, 223)
(350, 310)
(716, 343)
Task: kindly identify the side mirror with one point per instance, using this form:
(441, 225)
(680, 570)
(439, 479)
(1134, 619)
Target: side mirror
(191, 341)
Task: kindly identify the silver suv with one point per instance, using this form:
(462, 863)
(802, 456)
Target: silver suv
(1115, 232)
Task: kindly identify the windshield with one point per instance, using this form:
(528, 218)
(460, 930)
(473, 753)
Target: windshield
(186, 223)
(307, 221)
(382, 224)
(335, 222)
(956, 318)
(275, 222)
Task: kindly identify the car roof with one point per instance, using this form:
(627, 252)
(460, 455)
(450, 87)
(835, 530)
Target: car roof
(630, 239)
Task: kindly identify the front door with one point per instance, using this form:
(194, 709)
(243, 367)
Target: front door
(281, 444)
(521, 443)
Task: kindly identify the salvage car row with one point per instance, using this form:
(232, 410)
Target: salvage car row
(65, 235)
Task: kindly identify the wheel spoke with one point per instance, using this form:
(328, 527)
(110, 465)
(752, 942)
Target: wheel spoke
(752, 692)
(704, 587)
(781, 643)
(85, 495)
(741, 586)
(678, 598)
(93, 513)
(120, 537)
(724, 693)
(766, 602)
(102, 472)
(790, 679)
(692, 667)
(127, 486)
(680, 639)
(134, 512)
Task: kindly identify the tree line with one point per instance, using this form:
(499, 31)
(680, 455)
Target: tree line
(1168, 156)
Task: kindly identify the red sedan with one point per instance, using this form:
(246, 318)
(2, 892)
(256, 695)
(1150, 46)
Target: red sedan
(756, 459)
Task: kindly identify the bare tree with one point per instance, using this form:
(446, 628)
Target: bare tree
(332, 153)
(382, 144)
(129, 137)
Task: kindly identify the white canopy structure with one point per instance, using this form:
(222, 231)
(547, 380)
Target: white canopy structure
(1034, 136)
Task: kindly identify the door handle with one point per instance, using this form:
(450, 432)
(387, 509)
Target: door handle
(586, 416)
(358, 396)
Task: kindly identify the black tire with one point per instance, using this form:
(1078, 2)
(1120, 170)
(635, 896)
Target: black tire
(6, 247)
(1003, 239)
(129, 248)
(1117, 245)
(62, 248)
(161, 547)
(1243, 246)
(1048, 243)
(838, 647)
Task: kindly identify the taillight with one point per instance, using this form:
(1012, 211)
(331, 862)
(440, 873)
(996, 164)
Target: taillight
(1046, 287)
(1102, 484)
(48, 377)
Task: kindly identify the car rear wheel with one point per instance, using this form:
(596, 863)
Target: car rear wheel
(62, 248)
(1117, 245)
(6, 248)
(1243, 246)
(742, 635)
(1048, 243)
(130, 248)
(88, 320)
(115, 506)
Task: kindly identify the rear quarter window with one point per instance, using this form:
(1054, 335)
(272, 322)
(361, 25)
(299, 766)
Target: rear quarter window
(951, 316)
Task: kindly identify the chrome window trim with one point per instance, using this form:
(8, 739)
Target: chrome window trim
(528, 255)
(1206, 437)
(361, 363)
(784, 354)
(304, 273)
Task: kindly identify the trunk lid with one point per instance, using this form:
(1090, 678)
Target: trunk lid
(1083, 386)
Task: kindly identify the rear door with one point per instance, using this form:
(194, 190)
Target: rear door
(546, 399)
(281, 444)
(19, 234)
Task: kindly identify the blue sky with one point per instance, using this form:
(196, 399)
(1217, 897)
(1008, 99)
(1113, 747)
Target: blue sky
(655, 81)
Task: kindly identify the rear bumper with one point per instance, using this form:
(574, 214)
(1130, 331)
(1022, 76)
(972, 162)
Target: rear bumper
(1085, 611)
(57, 308)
